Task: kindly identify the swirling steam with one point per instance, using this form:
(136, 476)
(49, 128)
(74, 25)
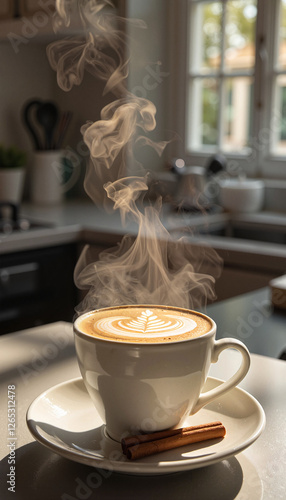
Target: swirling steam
(152, 268)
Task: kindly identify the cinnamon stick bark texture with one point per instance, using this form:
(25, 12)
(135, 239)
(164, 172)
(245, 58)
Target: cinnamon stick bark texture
(144, 445)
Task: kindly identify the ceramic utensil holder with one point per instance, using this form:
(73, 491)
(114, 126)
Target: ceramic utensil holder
(46, 177)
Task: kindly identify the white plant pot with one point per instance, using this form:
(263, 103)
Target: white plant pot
(12, 184)
(46, 186)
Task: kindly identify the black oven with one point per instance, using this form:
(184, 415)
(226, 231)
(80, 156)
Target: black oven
(37, 287)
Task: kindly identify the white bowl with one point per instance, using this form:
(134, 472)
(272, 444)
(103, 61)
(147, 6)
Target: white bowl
(242, 195)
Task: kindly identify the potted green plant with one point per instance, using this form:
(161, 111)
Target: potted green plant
(12, 173)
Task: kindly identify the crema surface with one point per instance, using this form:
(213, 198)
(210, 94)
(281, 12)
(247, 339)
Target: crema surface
(144, 324)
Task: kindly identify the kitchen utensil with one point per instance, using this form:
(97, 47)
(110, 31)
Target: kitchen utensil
(62, 129)
(10, 219)
(191, 185)
(28, 120)
(241, 195)
(47, 115)
(216, 164)
(177, 166)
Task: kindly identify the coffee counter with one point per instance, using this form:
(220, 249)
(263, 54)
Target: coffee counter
(37, 359)
(251, 318)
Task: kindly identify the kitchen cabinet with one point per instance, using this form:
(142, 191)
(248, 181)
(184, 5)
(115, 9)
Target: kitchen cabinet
(37, 287)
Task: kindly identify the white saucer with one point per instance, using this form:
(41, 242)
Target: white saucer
(65, 420)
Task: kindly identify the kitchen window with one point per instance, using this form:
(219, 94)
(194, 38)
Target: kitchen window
(236, 84)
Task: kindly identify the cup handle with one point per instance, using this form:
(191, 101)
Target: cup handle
(219, 346)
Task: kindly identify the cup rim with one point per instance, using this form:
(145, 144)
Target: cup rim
(91, 338)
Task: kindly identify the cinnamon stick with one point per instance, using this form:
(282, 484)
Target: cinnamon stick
(140, 446)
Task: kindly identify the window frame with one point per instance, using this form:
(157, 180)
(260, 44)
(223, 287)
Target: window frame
(260, 162)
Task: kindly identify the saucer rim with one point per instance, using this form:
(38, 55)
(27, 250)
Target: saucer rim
(139, 467)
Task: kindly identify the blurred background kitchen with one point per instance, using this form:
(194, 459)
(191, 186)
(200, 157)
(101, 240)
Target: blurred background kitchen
(216, 71)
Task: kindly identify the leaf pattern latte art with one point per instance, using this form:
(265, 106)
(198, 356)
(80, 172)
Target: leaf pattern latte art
(147, 324)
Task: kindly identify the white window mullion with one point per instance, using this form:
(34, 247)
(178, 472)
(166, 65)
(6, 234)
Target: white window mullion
(270, 165)
(221, 98)
(221, 95)
(274, 111)
(194, 115)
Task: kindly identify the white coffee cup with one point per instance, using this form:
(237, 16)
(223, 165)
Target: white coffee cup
(146, 387)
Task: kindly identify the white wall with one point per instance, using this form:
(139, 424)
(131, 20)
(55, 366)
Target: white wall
(148, 48)
(28, 75)
(23, 76)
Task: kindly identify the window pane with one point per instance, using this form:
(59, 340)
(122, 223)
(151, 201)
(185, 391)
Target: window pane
(203, 114)
(205, 45)
(222, 53)
(279, 117)
(282, 35)
(240, 35)
(237, 113)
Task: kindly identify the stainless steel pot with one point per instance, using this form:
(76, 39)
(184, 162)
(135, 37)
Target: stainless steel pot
(192, 181)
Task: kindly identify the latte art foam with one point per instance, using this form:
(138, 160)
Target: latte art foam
(144, 324)
(148, 324)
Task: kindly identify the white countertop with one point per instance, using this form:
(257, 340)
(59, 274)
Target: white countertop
(36, 359)
(65, 224)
